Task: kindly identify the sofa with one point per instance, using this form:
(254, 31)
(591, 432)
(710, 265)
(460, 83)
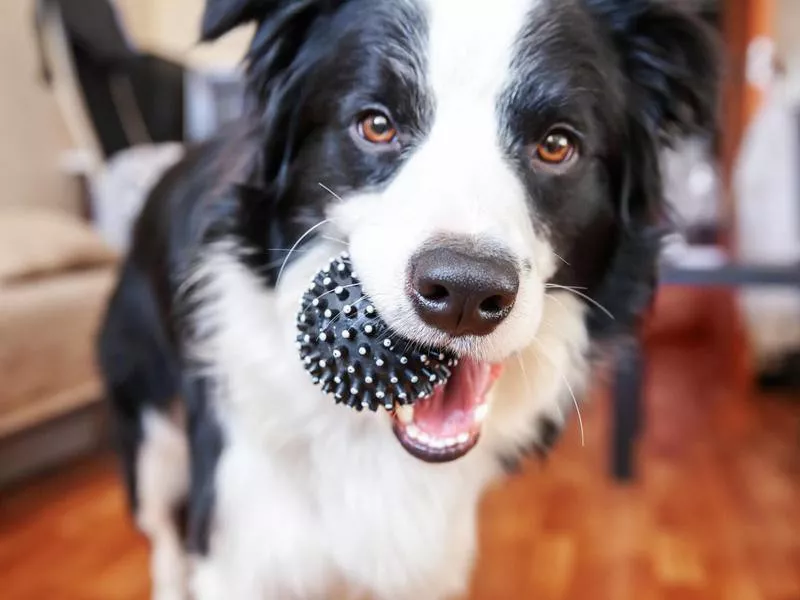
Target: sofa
(56, 274)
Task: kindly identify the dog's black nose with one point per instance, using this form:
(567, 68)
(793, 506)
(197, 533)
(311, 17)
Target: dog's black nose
(460, 292)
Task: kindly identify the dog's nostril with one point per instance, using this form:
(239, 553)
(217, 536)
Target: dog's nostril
(494, 305)
(462, 293)
(433, 292)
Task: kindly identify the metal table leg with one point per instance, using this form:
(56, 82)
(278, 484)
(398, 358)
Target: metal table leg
(627, 412)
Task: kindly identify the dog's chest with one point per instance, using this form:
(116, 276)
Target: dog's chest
(351, 507)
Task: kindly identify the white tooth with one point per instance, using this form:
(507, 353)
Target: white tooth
(413, 432)
(463, 438)
(424, 438)
(405, 414)
(450, 442)
(481, 412)
(438, 443)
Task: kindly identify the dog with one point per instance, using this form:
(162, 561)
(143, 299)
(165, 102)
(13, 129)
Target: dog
(492, 169)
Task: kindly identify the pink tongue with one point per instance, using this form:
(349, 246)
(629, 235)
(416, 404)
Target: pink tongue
(449, 412)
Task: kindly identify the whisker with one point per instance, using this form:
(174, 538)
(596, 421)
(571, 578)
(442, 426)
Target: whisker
(527, 382)
(524, 374)
(333, 239)
(565, 287)
(330, 191)
(285, 250)
(584, 296)
(562, 259)
(556, 300)
(558, 404)
(569, 387)
(308, 232)
(577, 408)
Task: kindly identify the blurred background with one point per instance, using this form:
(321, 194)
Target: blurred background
(688, 485)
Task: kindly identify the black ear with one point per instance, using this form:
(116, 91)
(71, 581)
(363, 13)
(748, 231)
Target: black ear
(223, 15)
(671, 62)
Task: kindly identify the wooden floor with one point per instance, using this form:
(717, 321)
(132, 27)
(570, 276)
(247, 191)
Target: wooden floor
(715, 514)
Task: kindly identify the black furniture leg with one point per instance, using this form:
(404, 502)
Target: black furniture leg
(627, 409)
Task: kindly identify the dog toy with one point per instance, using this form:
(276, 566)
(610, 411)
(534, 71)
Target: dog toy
(353, 354)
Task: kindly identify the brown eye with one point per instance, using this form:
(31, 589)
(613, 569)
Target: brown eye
(377, 128)
(557, 147)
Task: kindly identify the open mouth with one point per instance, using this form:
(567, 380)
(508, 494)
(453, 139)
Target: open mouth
(447, 424)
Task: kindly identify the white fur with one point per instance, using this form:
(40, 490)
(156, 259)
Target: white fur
(312, 497)
(315, 501)
(459, 182)
(162, 472)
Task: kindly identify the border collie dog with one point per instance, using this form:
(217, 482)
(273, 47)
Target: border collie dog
(492, 168)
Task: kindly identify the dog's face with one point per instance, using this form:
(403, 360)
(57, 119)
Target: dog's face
(473, 157)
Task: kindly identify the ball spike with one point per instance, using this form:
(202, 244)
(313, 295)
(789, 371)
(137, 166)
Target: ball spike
(353, 355)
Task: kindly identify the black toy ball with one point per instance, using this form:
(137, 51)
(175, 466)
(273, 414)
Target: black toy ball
(352, 353)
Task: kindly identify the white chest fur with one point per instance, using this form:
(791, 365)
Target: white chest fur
(312, 498)
(349, 507)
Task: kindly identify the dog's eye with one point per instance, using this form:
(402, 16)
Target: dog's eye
(556, 148)
(377, 128)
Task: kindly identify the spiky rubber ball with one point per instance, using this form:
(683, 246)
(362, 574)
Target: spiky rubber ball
(353, 354)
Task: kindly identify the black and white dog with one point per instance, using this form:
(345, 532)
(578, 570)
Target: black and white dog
(493, 170)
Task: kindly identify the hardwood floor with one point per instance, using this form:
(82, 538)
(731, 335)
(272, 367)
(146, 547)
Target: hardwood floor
(714, 515)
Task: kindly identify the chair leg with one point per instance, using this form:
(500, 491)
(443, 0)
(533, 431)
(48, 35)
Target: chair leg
(627, 412)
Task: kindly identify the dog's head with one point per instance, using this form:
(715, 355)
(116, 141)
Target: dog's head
(473, 156)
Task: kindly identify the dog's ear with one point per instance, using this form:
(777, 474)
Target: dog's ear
(670, 60)
(221, 16)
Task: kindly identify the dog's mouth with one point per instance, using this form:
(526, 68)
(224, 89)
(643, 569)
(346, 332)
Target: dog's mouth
(447, 425)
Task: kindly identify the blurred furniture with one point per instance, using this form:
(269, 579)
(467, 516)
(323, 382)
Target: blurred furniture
(743, 24)
(113, 95)
(129, 112)
(124, 108)
(628, 403)
(55, 277)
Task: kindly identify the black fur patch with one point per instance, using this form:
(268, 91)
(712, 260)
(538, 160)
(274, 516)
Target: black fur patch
(137, 364)
(544, 439)
(205, 445)
(627, 74)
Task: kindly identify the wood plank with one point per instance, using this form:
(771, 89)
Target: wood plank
(714, 515)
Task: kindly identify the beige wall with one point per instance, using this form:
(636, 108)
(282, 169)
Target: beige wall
(32, 135)
(173, 27)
